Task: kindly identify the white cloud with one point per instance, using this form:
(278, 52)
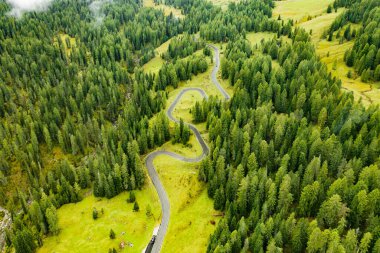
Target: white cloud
(21, 6)
(96, 7)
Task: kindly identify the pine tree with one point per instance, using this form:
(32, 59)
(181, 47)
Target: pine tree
(136, 207)
(52, 219)
(132, 197)
(329, 8)
(24, 241)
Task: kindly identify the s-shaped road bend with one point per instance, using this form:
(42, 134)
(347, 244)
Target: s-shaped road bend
(165, 205)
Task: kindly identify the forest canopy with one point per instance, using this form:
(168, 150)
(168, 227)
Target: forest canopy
(293, 161)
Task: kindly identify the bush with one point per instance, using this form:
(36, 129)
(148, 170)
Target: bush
(148, 211)
(329, 9)
(136, 207)
(95, 214)
(132, 197)
(112, 234)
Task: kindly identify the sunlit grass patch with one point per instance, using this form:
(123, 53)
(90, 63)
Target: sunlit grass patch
(320, 24)
(331, 52)
(300, 10)
(165, 8)
(68, 42)
(256, 38)
(81, 233)
(192, 212)
(223, 3)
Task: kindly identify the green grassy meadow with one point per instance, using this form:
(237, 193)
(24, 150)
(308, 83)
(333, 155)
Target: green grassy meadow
(255, 38)
(300, 10)
(320, 24)
(165, 8)
(223, 3)
(183, 108)
(80, 233)
(333, 51)
(155, 64)
(192, 212)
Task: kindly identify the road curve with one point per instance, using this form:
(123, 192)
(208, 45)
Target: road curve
(215, 70)
(165, 204)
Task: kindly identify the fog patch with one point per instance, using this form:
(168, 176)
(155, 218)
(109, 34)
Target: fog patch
(96, 9)
(21, 6)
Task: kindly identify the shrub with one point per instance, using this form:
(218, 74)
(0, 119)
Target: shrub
(136, 207)
(132, 197)
(112, 234)
(95, 214)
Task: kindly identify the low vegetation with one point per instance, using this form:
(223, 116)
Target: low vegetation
(192, 213)
(79, 232)
(300, 11)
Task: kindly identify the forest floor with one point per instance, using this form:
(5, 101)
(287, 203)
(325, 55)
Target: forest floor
(312, 15)
(81, 233)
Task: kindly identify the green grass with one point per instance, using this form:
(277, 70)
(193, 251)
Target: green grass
(72, 42)
(300, 10)
(223, 3)
(333, 51)
(165, 8)
(320, 24)
(182, 110)
(255, 38)
(191, 210)
(80, 233)
(155, 64)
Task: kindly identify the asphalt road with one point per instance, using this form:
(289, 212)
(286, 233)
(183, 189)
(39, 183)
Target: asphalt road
(215, 70)
(165, 205)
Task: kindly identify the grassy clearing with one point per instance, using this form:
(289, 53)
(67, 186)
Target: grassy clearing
(320, 24)
(300, 10)
(80, 233)
(256, 38)
(331, 52)
(223, 3)
(373, 94)
(68, 42)
(203, 80)
(155, 64)
(191, 210)
(165, 8)
(182, 110)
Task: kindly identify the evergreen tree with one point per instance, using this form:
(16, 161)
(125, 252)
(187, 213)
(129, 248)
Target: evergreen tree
(136, 207)
(112, 234)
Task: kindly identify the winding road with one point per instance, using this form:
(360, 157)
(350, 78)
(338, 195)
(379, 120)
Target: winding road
(165, 205)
